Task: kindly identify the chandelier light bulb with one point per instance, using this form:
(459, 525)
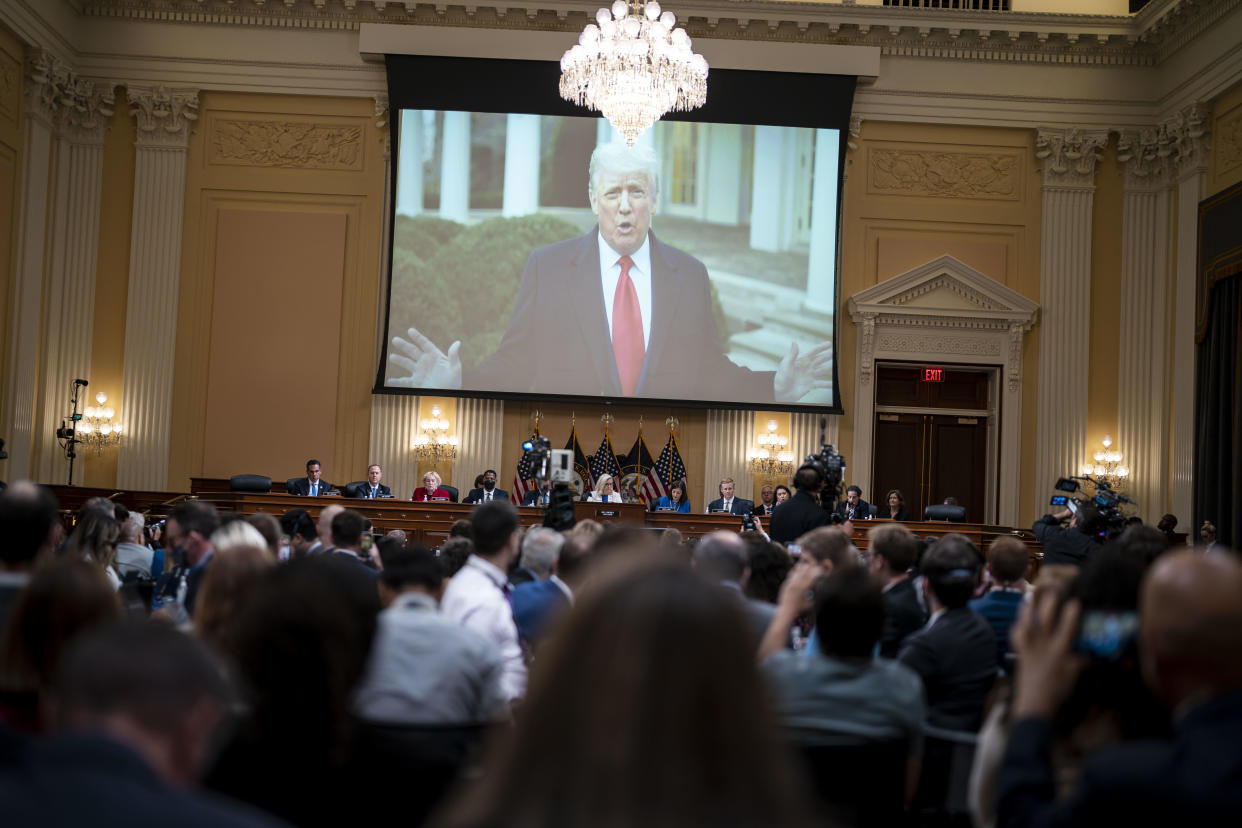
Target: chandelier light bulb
(101, 398)
(84, 428)
(619, 9)
(1107, 441)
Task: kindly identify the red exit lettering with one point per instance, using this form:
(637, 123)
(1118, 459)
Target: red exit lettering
(931, 374)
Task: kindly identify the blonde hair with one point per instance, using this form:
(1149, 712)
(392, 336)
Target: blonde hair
(436, 475)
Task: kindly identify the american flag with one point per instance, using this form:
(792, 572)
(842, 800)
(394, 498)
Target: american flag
(667, 470)
(604, 461)
(638, 463)
(524, 478)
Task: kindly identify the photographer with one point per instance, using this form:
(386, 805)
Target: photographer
(1073, 544)
(802, 512)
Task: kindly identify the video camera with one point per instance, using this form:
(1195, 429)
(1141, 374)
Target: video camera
(831, 467)
(556, 465)
(1105, 499)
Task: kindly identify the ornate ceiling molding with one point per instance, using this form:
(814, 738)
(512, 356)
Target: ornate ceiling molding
(1145, 39)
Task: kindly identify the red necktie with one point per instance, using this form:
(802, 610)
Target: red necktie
(627, 330)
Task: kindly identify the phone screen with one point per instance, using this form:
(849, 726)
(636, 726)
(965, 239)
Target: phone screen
(1107, 634)
(1059, 500)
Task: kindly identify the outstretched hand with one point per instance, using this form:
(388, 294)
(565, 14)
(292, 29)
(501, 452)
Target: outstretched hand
(799, 375)
(428, 366)
(1047, 669)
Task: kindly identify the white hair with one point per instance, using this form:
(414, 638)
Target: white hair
(618, 158)
(436, 475)
(540, 549)
(132, 530)
(237, 533)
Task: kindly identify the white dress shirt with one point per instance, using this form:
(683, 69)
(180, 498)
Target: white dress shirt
(640, 275)
(476, 599)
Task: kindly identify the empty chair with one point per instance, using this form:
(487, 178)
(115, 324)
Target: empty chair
(250, 483)
(938, 511)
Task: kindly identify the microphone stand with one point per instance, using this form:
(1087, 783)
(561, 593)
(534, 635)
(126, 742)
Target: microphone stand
(70, 435)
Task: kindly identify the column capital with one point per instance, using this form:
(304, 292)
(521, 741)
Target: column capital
(1147, 155)
(1069, 155)
(1188, 130)
(56, 95)
(164, 115)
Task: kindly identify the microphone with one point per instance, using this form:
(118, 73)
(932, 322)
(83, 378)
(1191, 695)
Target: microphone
(81, 382)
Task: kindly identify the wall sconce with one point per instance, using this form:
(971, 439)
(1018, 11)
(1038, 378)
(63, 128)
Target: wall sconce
(770, 458)
(97, 431)
(1107, 466)
(434, 443)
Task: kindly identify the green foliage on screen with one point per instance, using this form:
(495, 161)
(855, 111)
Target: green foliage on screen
(454, 281)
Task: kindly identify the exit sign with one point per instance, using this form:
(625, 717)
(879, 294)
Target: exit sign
(933, 374)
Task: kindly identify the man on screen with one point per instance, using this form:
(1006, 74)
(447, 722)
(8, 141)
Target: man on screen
(614, 313)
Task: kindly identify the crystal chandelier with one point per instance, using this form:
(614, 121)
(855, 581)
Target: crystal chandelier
(770, 457)
(434, 443)
(1107, 466)
(97, 430)
(634, 67)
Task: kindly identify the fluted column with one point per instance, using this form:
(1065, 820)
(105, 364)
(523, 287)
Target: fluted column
(804, 436)
(729, 434)
(22, 371)
(69, 285)
(1189, 130)
(394, 424)
(480, 439)
(1143, 367)
(164, 117)
(1069, 159)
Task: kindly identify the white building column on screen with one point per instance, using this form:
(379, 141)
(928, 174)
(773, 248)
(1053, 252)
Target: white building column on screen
(1069, 161)
(455, 167)
(410, 163)
(521, 194)
(730, 434)
(21, 372)
(821, 294)
(1189, 130)
(1142, 380)
(767, 185)
(480, 441)
(69, 295)
(164, 118)
(394, 424)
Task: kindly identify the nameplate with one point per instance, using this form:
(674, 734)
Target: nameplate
(721, 512)
(665, 509)
(608, 513)
(434, 499)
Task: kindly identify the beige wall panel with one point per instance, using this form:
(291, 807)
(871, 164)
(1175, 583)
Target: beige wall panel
(903, 251)
(275, 271)
(1226, 141)
(1105, 357)
(325, 155)
(11, 111)
(112, 284)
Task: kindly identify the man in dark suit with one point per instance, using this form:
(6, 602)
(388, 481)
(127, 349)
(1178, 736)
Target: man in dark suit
(487, 491)
(1190, 635)
(539, 495)
(853, 507)
(188, 530)
(1072, 545)
(893, 550)
(374, 488)
(633, 316)
(728, 503)
(802, 512)
(311, 485)
(767, 500)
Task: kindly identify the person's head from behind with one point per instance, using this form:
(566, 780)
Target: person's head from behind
(413, 570)
(849, 614)
(236, 568)
(893, 548)
(29, 525)
(95, 537)
(348, 527)
(496, 532)
(154, 689)
(1089, 520)
(131, 528)
(681, 723)
(190, 527)
(1008, 560)
(61, 601)
(324, 525)
(237, 533)
(269, 528)
(808, 479)
(454, 553)
(541, 549)
(769, 564)
(623, 189)
(1190, 630)
(461, 528)
(300, 529)
(722, 556)
(951, 567)
(829, 547)
(1142, 544)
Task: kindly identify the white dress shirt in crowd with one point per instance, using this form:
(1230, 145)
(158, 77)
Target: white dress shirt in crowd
(476, 599)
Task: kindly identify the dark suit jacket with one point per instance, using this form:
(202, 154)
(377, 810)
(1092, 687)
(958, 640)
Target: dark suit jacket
(301, 486)
(905, 617)
(531, 498)
(902, 514)
(365, 490)
(685, 355)
(861, 512)
(956, 657)
(476, 495)
(1063, 546)
(738, 507)
(760, 509)
(796, 516)
(1193, 779)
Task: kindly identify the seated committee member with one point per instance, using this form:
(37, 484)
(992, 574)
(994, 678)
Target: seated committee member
(728, 503)
(374, 488)
(487, 491)
(853, 507)
(653, 299)
(895, 508)
(538, 496)
(782, 494)
(604, 491)
(767, 500)
(676, 499)
(431, 489)
(311, 485)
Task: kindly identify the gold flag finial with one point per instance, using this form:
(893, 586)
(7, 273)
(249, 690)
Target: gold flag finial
(606, 419)
(672, 423)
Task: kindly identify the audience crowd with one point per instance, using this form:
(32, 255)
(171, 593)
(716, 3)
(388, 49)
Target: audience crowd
(227, 670)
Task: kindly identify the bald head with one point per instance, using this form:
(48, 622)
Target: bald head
(1192, 626)
(325, 521)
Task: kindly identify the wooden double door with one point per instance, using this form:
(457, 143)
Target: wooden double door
(931, 455)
